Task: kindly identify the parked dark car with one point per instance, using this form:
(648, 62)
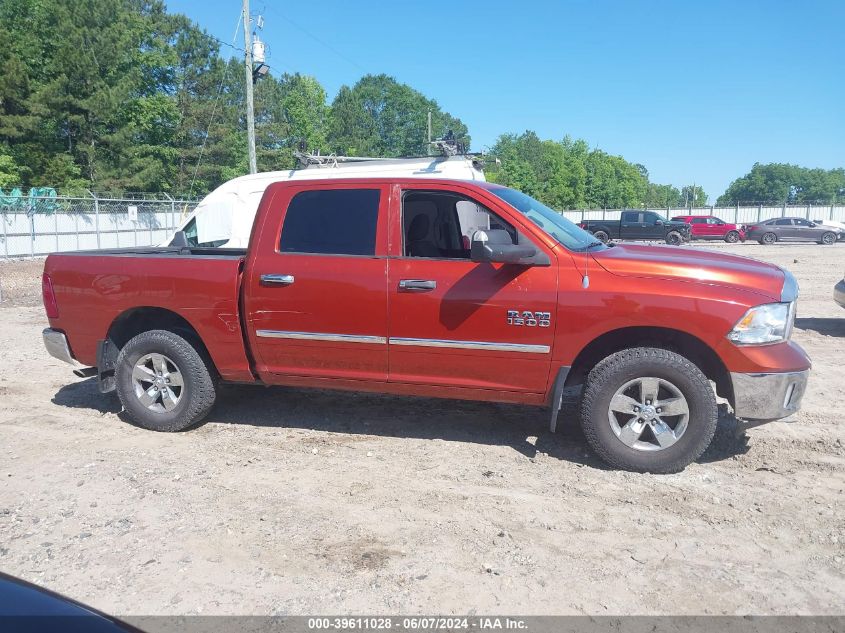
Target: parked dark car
(839, 292)
(639, 225)
(29, 608)
(791, 230)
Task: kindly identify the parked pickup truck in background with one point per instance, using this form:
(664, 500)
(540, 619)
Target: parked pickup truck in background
(638, 225)
(437, 288)
(708, 227)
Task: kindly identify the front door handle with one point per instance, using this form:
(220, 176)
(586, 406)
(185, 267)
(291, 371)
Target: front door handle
(416, 285)
(276, 280)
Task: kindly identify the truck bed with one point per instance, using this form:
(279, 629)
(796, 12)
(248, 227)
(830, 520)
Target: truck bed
(95, 290)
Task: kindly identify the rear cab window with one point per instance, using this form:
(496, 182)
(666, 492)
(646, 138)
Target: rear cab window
(331, 222)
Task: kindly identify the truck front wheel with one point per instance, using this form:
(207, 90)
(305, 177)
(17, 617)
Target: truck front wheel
(162, 381)
(648, 410)
(674, 238)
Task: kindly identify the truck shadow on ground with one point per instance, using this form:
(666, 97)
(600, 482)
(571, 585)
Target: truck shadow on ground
(523, 428)
(829, 326)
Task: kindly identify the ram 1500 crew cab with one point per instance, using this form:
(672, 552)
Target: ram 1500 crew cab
(462, 290)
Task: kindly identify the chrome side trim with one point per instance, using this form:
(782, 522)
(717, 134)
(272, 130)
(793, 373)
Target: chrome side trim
(56, 344)
(498, 347)
(319, 336)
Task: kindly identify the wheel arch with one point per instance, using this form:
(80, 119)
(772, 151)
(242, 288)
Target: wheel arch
(683, 343)
(141, 319)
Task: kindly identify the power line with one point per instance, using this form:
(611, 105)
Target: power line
(214, 108)
(222, 43)
(343, 56)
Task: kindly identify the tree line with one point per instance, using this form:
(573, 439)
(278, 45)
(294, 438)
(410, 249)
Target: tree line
(121, 95)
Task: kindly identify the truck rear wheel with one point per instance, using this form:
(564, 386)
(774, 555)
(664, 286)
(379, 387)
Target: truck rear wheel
(162, 381)
(648, 410)
(601, 236)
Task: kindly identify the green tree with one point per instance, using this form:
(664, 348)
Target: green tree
(662, 196)
(10, 172)
(379, 116)
(781, 183)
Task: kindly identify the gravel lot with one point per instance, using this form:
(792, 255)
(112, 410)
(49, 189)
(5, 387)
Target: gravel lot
(298, 502)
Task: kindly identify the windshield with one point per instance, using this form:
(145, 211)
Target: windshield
(552, 222)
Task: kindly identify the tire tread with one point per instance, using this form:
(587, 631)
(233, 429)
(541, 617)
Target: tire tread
(596, 384)
(200, 375)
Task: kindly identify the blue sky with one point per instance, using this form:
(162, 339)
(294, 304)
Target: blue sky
(695, 91)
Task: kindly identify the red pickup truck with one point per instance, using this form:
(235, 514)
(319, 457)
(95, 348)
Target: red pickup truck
(439, 288)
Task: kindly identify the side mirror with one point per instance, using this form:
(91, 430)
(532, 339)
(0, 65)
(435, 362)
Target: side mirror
(658, 223)
(495, 245)
(180, 240)
(813, 224)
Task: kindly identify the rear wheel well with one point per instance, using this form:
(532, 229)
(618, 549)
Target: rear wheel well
(138, 320)
(692, 348)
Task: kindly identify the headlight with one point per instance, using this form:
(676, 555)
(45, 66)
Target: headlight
(769, 323)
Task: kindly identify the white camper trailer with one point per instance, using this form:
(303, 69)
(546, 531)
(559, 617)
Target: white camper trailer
(225, 216)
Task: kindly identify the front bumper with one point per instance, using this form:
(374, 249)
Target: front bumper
(766, 397)
(839, 293)
(57, 345)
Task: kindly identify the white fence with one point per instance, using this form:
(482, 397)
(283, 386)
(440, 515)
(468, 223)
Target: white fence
(735, 215)
(48, 225)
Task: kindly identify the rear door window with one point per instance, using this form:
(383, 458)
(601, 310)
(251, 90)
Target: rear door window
(331, 222)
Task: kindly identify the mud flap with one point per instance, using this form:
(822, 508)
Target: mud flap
(106, 360)
(556, 400)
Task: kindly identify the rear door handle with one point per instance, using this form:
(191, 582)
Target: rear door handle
(276, 280)
(416, 285)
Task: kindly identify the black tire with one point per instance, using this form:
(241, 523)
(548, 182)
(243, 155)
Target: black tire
(620, 368)
(601, 236)
(732, 237)
(828, 238)
(768, 238)
(196, 396)
(674, 238)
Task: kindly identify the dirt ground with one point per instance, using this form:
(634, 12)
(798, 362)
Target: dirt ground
(298, 502)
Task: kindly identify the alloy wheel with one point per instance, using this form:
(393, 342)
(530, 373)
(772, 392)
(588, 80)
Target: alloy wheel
(158, 382)
(648, 414)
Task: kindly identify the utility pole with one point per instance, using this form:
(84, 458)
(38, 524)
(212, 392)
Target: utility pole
(250, 112)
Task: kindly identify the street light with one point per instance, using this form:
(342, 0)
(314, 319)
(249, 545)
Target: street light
(259, 71)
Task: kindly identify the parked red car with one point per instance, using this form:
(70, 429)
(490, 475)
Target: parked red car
(368, 285)
(708, 227)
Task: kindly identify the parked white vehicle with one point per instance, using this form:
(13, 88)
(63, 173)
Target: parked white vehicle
(225, 216)
(839, 227)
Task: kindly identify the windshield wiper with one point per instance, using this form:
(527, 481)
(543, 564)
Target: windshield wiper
(589, 246)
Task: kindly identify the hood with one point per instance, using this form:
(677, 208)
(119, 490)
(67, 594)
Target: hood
(687, 264)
